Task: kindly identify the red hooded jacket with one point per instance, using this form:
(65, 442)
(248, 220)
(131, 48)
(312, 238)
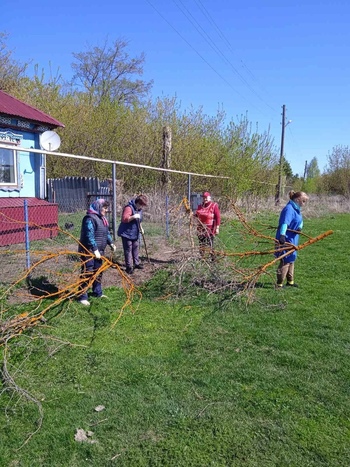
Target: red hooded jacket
(208, 215)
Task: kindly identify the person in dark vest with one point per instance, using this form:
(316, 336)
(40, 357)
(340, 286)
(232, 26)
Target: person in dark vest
(129, 230)
(208, 215)
(290, 225)
(94, 238)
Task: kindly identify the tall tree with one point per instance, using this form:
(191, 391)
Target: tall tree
(337, 176)
(11, 71)
(251, 158)
(312, 170)
(312, 182)
(109, 72)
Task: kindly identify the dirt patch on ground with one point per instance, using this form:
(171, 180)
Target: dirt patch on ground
(50, 275)
(160, 256)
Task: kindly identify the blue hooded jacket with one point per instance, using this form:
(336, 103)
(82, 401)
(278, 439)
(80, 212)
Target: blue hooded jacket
(290, 219)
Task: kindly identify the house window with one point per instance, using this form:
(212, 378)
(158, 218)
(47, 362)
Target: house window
(8, 168)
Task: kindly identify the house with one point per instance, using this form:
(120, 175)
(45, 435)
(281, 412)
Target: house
(23, 174)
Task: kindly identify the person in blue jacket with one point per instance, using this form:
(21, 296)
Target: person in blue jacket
(129, 230)
(289, 226)
(94, 238)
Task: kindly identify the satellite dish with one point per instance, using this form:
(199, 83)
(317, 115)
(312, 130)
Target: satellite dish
(49, 140)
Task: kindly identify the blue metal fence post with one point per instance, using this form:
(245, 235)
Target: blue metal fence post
(114, 194)
(26, 220)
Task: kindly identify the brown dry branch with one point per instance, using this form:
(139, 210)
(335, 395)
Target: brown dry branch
(288, 248)
(235, 271)
(181, 214)
(18, 324)
(39, 300)
(11, 385)
(214, 271)
(68, 285)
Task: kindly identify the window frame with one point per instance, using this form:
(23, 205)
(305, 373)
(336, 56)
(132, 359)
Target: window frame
(13, 155)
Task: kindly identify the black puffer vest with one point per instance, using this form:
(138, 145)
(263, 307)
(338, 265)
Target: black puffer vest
(130, 230)
(101, 232)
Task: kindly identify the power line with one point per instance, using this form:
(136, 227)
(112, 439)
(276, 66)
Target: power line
(199, 54)
(212, 44)
(203, 32)
(224, 38)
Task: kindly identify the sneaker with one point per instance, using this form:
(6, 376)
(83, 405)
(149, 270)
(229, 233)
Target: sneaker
(84, 302)
(279, 286)
(103, 296)
(129, 270)
(289, 284)
(138, 266)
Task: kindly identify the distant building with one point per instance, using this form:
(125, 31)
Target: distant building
(23, 174)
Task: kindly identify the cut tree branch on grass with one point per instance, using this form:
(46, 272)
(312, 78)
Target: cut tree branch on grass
(10, 384)
(230, 271)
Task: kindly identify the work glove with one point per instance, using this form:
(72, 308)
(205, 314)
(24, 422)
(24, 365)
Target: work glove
(113, 247)
(97, 254)
(136, 216)
(282, 239)
(217, 230)
(141, 230)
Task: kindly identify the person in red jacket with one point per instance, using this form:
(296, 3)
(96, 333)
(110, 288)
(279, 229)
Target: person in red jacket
(208, 215)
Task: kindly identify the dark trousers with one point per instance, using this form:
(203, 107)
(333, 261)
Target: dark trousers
(88, 269)
(131, 252)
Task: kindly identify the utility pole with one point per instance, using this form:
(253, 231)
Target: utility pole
(166, 162)
(305, 170)
(280, 171)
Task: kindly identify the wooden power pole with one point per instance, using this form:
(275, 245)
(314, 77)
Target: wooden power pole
(280, 168)
(166, 162)
(305, 170)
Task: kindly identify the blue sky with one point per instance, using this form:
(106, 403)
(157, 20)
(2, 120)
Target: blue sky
(245, 57)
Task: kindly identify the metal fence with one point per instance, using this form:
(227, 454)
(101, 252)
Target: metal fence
(69, 198)
(45, 235)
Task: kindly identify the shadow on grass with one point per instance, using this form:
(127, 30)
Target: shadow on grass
(42, 287)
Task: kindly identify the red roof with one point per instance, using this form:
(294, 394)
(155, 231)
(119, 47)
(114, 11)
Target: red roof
(11, 106)
(14, 202)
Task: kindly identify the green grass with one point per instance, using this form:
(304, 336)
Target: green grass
(193, 382)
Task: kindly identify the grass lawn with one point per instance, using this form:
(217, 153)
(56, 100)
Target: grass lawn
(192, 382)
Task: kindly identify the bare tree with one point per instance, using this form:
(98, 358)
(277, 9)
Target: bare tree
(10, 71)
(109, 71)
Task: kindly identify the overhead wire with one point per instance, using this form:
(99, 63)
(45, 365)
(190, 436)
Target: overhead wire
(229, 46)
(297, 148)
(202, 31)
(212, 44)
(198, 53)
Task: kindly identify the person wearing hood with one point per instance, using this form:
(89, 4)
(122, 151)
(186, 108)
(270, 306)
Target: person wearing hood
(129, 230)
(94, 238)
(208, 215)
(290, 225)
